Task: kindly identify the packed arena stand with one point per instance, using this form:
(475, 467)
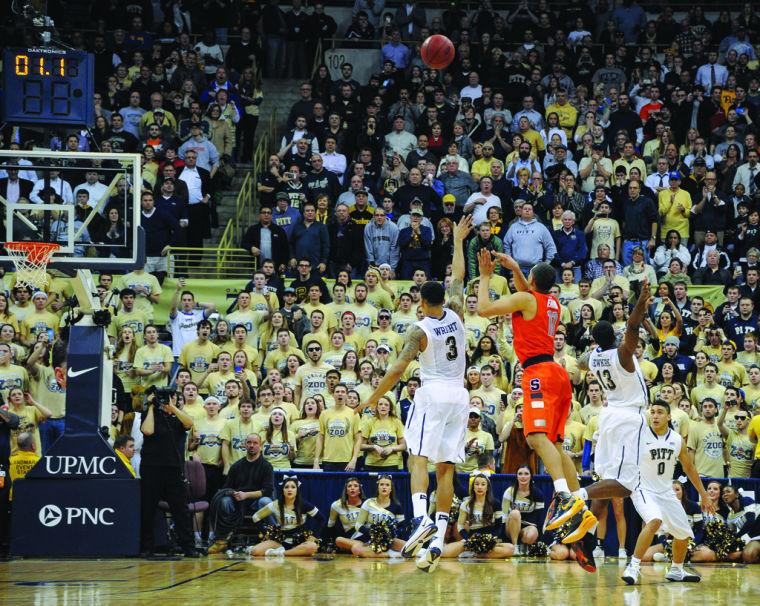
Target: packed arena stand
(618, 143)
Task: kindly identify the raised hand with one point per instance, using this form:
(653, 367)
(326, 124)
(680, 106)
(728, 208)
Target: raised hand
(463, 228)
(506, 261)
(486, 264)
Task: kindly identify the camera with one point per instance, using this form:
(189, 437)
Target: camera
(162, 395)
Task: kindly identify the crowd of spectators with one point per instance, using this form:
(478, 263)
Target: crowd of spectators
(614, 147)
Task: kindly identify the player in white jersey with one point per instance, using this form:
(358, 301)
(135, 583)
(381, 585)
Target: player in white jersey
(655, 500)
(436, 424)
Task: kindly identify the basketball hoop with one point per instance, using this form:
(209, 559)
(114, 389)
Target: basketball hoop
(31, 260)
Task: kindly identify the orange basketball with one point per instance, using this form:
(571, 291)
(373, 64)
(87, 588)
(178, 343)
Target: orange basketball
(437, 51)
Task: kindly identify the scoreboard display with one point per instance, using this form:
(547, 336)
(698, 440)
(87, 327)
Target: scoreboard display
(48, 86)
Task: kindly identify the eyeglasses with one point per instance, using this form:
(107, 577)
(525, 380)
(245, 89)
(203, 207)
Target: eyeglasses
(383, 317)
(741, 417)
(310, 349)
(304, 265)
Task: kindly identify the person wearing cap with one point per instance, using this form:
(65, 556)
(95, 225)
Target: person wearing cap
(406, 219)
(284, 215)
(477, 442)
(278, 445)
(451, 210)
(675, 207)
(670, 346)
(415, 242)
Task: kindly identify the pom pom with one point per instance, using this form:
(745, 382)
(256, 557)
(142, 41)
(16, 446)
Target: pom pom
(689, 549)
(456, 503)
(271, 532)
(299, 536)
(538, 550)
(327, 545)
(722, 539)
(480, 542)
(381, 535)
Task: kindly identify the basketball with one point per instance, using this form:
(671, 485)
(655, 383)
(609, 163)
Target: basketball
(437, 51)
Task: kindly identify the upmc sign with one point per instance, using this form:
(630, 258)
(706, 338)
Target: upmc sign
(69, 517)
(69, 465)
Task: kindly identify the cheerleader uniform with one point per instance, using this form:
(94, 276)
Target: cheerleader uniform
(293, 533)
(477, 524)
(371, 513)
(531, 511)
(342, 521)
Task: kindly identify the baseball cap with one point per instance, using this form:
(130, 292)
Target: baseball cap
(281, 195)
(385, 266)
(674, 174)
(475, 411)
(449, 198)
(39, 293)
(384, 347)
(671, 340)
(361, 190)
(415, 200)
(416, 211)
(212, 399)
(289, 291)
(384, 312)
(700, 162)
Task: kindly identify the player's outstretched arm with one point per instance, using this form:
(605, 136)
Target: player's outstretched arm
(691, 472)
(456, 288)
(521, 284)
(413, 344)
(627, 348)
(505, 305)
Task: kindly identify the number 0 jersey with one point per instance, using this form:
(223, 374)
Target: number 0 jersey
(659, 455)
(535, 337)
(623, 389)
(443, 360)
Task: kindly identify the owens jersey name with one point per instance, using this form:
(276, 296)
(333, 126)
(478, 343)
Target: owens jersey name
(623, 389)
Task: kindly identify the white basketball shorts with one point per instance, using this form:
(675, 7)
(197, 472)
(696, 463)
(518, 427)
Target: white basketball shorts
(437, 423)
(619, 445)
(663, 506)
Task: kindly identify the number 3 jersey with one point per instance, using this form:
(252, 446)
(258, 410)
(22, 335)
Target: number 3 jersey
(623, 389)
(659, 455)
(444, 358)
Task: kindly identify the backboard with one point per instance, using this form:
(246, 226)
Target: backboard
(89, 203)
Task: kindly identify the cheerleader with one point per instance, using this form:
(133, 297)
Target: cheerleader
(297, 523)
(738, 513)
(344, 513)
(479, 525)
(656, 552)
(380, 511)
(522, 507)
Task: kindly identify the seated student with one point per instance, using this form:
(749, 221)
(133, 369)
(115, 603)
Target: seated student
(478, 516)
(297, 523)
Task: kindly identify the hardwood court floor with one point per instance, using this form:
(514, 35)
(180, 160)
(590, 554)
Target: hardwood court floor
(346, 580)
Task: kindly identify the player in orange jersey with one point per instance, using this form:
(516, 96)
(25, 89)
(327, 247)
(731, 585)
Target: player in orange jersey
(546, 386)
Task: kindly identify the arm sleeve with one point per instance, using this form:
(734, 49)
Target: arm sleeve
(315, 520)
(586, 460)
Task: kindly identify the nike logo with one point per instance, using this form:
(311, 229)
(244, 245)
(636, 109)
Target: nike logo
(75, 373)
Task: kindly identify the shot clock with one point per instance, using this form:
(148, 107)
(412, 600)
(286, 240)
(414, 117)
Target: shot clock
(48, 86)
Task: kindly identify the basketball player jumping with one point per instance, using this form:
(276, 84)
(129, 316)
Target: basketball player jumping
(437, 421)
(546, 385)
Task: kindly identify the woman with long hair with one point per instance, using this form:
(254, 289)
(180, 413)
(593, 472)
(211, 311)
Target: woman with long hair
(305, 431)
(485, 348)
(277, 446)
(348, 369)
(478, 516)
(579, 335)
(321, 84)
(382, 509)
(344, 513)
(124, 357)
(222, 334)
(472, 380)
(288, 376)
(250, 90)
(522, 508)
(297, 522)
(442, 250)
(6, 315)
(268, 333)
(382, 438)
(30, 414)
(220, 133)
(666, 326)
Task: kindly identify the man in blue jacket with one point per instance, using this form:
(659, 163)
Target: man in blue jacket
(415, 242)
(571, 247)
(310, 240)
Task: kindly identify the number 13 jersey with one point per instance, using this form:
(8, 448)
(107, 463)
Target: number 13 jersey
(535, 337)
(623, 389)
(444, 357)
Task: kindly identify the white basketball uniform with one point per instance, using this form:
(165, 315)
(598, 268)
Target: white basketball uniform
(622, 421)
(437, 420)
(655, 498)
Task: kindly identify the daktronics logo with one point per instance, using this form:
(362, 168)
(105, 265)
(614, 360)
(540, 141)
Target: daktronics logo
(66, 465)
(51, 516)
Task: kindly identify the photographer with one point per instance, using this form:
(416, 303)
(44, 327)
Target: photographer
(162, 469)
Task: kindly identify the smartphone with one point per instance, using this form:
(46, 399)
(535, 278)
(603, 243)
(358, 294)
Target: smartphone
(505, 400)
(238, 369)
(289, 175)
(740, 110)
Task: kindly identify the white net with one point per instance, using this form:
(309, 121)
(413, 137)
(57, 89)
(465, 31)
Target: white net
(31, 260)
